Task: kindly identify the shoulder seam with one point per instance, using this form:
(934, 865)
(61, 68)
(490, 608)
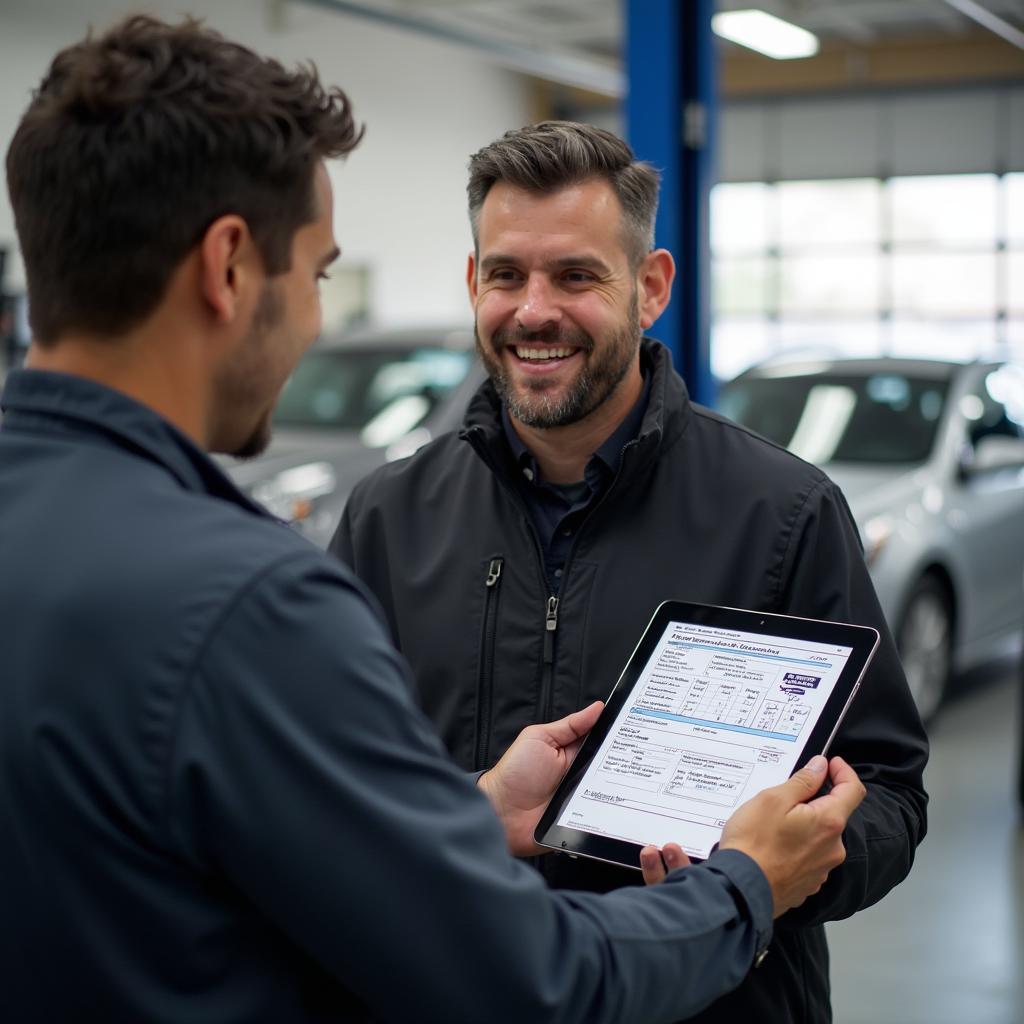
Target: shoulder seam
(798, 513)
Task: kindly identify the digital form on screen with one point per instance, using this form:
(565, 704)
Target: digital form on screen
(715, 716)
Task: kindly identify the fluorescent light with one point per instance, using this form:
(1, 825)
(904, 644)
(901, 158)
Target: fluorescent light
(765, 33)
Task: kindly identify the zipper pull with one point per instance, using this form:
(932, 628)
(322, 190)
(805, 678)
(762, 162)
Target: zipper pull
(493, 572)
(551, 619)
(550, 625)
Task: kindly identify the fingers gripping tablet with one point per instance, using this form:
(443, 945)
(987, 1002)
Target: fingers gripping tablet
(714, 705)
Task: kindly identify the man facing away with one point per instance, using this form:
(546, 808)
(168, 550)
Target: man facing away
(519, 560)
(218, 799)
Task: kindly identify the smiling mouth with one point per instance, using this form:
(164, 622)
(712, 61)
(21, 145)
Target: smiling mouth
(530, 354)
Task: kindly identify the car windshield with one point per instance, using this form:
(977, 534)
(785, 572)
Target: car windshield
(380, 392)
(881, 418)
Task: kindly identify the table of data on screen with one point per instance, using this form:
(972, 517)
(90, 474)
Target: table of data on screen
(713, 718)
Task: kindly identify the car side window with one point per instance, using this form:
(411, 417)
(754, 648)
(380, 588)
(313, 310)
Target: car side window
(995, 408)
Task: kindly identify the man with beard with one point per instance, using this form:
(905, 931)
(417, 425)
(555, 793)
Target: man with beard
(519, 560)
(218, 800)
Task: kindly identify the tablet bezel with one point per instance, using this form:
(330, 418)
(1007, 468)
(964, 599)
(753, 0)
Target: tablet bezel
(863, 641)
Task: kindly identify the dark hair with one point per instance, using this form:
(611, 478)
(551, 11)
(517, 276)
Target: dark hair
(552, 155)
(135, 142)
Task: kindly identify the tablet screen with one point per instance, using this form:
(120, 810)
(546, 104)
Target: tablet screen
(714, 716)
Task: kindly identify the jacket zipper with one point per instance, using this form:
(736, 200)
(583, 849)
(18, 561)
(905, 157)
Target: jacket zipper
(485, 680)
(550, 626)
(551, 609)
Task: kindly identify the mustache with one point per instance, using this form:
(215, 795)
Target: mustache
(570, 337)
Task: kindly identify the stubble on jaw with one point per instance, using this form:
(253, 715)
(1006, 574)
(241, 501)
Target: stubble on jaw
(241, 387)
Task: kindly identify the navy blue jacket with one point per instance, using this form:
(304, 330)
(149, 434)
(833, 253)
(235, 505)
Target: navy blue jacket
(219, 801)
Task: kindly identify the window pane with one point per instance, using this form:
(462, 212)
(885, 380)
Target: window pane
(1014, 334)
(829, 284)
(831, 337)
(1014, 194)
(740, 285)
(1015, 282)
(739, 217)
(941, 339)
(738, 342)
(828, 213)
(831, 416)
(944, 208)
(349, 387)
(957, 283)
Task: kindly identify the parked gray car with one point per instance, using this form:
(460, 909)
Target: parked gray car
(930, 456)
(353, 403)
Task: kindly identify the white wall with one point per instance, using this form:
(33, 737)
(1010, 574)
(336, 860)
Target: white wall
(400, 198)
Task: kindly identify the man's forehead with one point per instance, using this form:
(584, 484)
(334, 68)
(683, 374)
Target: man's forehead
(586, 216)
(321, 228)
(323, 191)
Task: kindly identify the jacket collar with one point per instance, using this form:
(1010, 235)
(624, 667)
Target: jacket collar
(47, 402)
(667, 416)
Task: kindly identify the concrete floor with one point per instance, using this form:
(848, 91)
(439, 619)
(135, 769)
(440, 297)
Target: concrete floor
(947, 946)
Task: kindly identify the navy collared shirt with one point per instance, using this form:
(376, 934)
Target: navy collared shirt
(557, 510)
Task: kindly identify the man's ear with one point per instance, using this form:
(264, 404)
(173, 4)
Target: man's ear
(471, 279)
(654, 285)
(227, 269)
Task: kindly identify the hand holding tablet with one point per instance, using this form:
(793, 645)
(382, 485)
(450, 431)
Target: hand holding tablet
(795, 836)
(714, 706)
(795, 840)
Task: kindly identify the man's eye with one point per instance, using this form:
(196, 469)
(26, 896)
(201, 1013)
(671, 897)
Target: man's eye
(504, 275)
(323, 276)
(578, 276)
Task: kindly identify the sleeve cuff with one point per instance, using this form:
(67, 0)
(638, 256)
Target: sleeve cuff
(752, 886)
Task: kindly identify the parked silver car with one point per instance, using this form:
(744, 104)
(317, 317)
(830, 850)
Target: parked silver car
(353, 403)
(930, 456)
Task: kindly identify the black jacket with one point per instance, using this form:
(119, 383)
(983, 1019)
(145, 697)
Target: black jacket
(701, 510)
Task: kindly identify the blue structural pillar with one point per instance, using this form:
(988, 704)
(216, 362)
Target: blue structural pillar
(671, 111)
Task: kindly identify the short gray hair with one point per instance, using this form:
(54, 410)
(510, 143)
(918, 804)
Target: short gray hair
(553, 155)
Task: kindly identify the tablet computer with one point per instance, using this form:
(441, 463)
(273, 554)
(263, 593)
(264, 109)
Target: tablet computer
(714, 705)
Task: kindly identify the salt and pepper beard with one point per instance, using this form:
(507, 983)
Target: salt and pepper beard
(599, 377)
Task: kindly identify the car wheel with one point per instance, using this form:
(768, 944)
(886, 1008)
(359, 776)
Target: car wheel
(925, 643)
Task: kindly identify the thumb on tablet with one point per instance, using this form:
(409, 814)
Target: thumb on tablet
(847, 790)
(801, 786)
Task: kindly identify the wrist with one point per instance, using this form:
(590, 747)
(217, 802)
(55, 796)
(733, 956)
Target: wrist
(485, 782)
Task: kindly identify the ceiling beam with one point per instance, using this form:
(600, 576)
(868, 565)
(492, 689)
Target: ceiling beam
(564, 66)
(932, 61)
(991, 21)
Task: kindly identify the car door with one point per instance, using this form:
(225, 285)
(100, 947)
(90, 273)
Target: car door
(988, 503)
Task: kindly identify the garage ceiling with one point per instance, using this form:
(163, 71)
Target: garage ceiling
(864, 42)
(595, 26)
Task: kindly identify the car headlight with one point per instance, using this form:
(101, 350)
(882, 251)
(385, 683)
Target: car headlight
(875, 534)
(290, 495)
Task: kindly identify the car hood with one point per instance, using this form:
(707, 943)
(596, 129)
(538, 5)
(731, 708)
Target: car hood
(871, 490)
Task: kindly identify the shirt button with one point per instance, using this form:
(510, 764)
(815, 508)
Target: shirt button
(567, 532)
(528, 473)
(558, 574)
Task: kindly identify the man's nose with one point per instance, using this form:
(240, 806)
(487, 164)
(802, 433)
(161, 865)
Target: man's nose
(539, 307)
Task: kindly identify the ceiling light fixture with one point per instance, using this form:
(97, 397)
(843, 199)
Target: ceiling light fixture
(761, 31)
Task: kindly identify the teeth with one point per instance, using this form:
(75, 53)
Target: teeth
(543, 353)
